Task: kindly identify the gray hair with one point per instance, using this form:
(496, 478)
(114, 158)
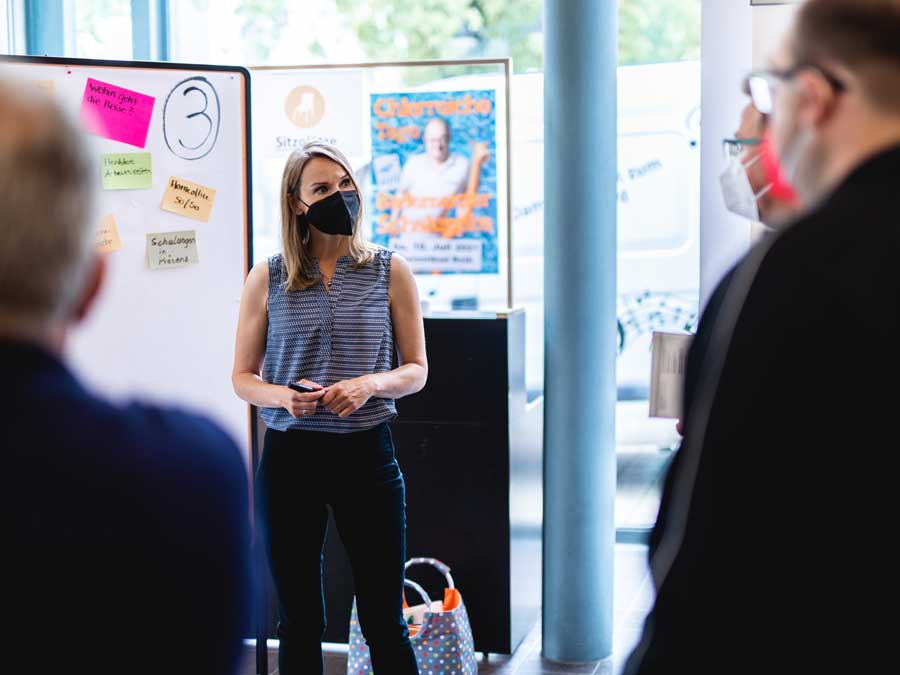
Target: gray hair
(45, 205)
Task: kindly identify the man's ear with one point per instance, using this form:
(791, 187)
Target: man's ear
(817, 98)
(94, 281)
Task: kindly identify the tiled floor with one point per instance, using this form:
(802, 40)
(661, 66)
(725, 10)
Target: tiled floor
(639, 477)
(633, 597)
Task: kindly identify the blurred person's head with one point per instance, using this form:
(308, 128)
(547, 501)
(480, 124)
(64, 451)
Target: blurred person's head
(835, 91)
(313, 174)
(746, 183)
(437, 139)
(50, 272)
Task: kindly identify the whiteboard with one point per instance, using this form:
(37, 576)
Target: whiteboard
(166, 335)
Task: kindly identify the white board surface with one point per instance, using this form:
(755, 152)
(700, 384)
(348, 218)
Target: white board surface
(167, 335)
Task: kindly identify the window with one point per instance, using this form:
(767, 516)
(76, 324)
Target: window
(90, 29)
(103, 29)
(658, 229)
(280, 32)
(12, 27)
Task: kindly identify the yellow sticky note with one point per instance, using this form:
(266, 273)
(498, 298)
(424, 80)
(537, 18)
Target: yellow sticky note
(188, 199)
(106, 238)
(47, 87)
(172, 249)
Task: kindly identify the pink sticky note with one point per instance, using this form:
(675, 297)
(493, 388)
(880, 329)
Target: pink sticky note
(116, 113)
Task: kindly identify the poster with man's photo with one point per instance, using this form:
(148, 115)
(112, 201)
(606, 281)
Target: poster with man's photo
(434, 172)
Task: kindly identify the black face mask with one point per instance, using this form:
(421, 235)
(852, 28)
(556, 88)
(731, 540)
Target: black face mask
(336, 214)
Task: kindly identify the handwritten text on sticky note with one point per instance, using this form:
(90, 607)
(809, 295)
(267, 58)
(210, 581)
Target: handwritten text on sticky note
(127, 171)
(172, 249)
(188, 199)
(106, 237)
(116, 113)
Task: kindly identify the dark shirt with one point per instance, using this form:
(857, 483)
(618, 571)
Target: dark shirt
(782, 565)
(696, 353)
(127, 547)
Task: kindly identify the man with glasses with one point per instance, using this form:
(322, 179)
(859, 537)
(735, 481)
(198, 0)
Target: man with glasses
(747, 187)
(768, 551)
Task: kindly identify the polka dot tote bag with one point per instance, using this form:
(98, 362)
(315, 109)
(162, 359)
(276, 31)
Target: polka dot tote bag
(439, 631)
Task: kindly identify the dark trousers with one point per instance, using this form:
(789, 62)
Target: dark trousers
(358, 476)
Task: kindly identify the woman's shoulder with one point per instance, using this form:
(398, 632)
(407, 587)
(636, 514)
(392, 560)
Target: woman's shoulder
(394, 266)
(376, 257)
(274, 265)
(257, 283)
(259, 271)
(399, 265)
(381, 253)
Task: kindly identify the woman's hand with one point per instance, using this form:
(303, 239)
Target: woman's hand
(302, 405)
(348, 396)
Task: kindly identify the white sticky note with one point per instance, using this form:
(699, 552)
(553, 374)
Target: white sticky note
(166, 250)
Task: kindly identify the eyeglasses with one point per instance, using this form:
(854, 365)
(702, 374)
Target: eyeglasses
(761, 86)
(734, 147)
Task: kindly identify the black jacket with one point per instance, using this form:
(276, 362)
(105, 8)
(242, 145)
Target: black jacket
(771, 549)
(126, 536)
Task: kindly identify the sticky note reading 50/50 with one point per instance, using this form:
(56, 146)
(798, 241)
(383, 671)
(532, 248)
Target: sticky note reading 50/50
(171, 249)
(188, 199)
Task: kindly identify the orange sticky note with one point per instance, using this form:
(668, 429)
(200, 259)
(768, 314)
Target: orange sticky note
(106, 238)
(188, 199)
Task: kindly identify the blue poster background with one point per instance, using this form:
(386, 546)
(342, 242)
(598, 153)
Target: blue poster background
(466, 129)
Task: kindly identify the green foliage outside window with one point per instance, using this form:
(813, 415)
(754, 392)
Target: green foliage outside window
(650, 31)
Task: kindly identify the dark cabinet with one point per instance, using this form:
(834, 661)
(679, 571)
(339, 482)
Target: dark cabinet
(470, 447)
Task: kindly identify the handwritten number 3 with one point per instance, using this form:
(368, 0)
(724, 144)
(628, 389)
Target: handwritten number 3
(177, 117)
(195, 114)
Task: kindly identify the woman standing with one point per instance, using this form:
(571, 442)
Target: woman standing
(328, 313)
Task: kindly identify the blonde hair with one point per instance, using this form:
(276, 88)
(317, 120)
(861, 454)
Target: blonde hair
(46, 238)
(299, 271)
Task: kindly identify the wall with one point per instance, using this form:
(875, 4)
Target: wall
(726, 56)
(770, 23)
(737, 38)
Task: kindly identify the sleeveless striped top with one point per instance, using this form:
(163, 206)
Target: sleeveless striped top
(331, 336)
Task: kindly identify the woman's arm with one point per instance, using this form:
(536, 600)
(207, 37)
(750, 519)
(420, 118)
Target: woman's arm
(409, 334)
(346, 397)
(250, 350)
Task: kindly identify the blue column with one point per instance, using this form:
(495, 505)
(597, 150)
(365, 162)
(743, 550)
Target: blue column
(580, 58)
(150, 30)
(45, 28)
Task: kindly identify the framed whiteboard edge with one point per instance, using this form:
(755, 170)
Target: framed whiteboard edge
(248, 151)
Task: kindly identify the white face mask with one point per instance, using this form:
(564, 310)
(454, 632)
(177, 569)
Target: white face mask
(738, 193)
